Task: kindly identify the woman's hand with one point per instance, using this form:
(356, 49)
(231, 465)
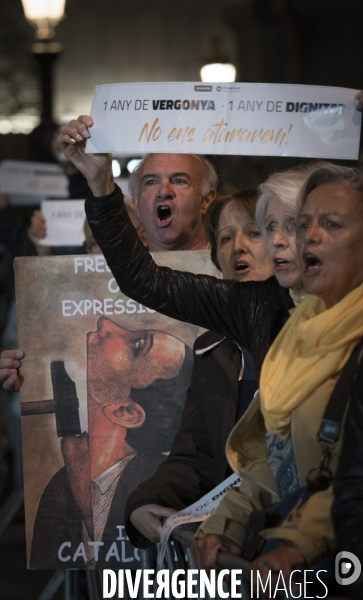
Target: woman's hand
(284, 559)
(148, 519)
(97, 168)
(9, 369)
(207, 548)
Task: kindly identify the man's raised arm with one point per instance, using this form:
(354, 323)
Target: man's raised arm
(97, 168)
(227, 307)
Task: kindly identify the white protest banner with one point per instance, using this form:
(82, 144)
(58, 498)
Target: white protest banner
(65, 221)
(196, 512)
(33, 179)
(219, 118)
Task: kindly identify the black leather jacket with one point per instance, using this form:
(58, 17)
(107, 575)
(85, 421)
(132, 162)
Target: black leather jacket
(250, 313)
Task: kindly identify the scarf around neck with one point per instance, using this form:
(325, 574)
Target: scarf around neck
(314, 345)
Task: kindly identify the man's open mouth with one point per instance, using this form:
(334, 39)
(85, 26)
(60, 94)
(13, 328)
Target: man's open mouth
(312, 263)
(163, 214)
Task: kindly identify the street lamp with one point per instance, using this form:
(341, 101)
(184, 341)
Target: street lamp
(44, 15)
(217, 66)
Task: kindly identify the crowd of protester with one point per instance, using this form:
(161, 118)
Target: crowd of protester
(278, 376)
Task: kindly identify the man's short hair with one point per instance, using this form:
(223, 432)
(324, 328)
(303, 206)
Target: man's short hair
(210, 176)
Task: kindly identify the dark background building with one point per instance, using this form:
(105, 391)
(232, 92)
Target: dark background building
(278, 41)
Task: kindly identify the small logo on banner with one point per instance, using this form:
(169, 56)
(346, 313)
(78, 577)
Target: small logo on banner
(203, 88)
(347, 568)
(228, 88)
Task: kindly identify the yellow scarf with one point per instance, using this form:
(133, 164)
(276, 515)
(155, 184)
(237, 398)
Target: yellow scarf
(314, 345)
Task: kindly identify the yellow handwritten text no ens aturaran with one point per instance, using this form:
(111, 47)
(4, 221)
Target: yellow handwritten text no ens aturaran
(217, 134)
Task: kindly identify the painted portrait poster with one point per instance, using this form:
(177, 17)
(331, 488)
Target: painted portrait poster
(104, 382)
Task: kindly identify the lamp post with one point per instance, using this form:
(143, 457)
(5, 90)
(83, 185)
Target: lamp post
(217, 66)
(45, 54)
(44, 15)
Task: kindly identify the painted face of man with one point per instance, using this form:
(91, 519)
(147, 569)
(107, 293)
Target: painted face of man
(120, 359)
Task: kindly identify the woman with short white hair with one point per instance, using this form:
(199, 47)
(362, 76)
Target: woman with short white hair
(276, 217)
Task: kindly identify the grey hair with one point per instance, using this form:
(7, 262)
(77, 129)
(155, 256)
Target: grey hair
(210, 176)
(324, 173)
(283, 186)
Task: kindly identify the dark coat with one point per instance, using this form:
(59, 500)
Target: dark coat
(348, 487)
(250, 313)
(197, 461)
(59, 520)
